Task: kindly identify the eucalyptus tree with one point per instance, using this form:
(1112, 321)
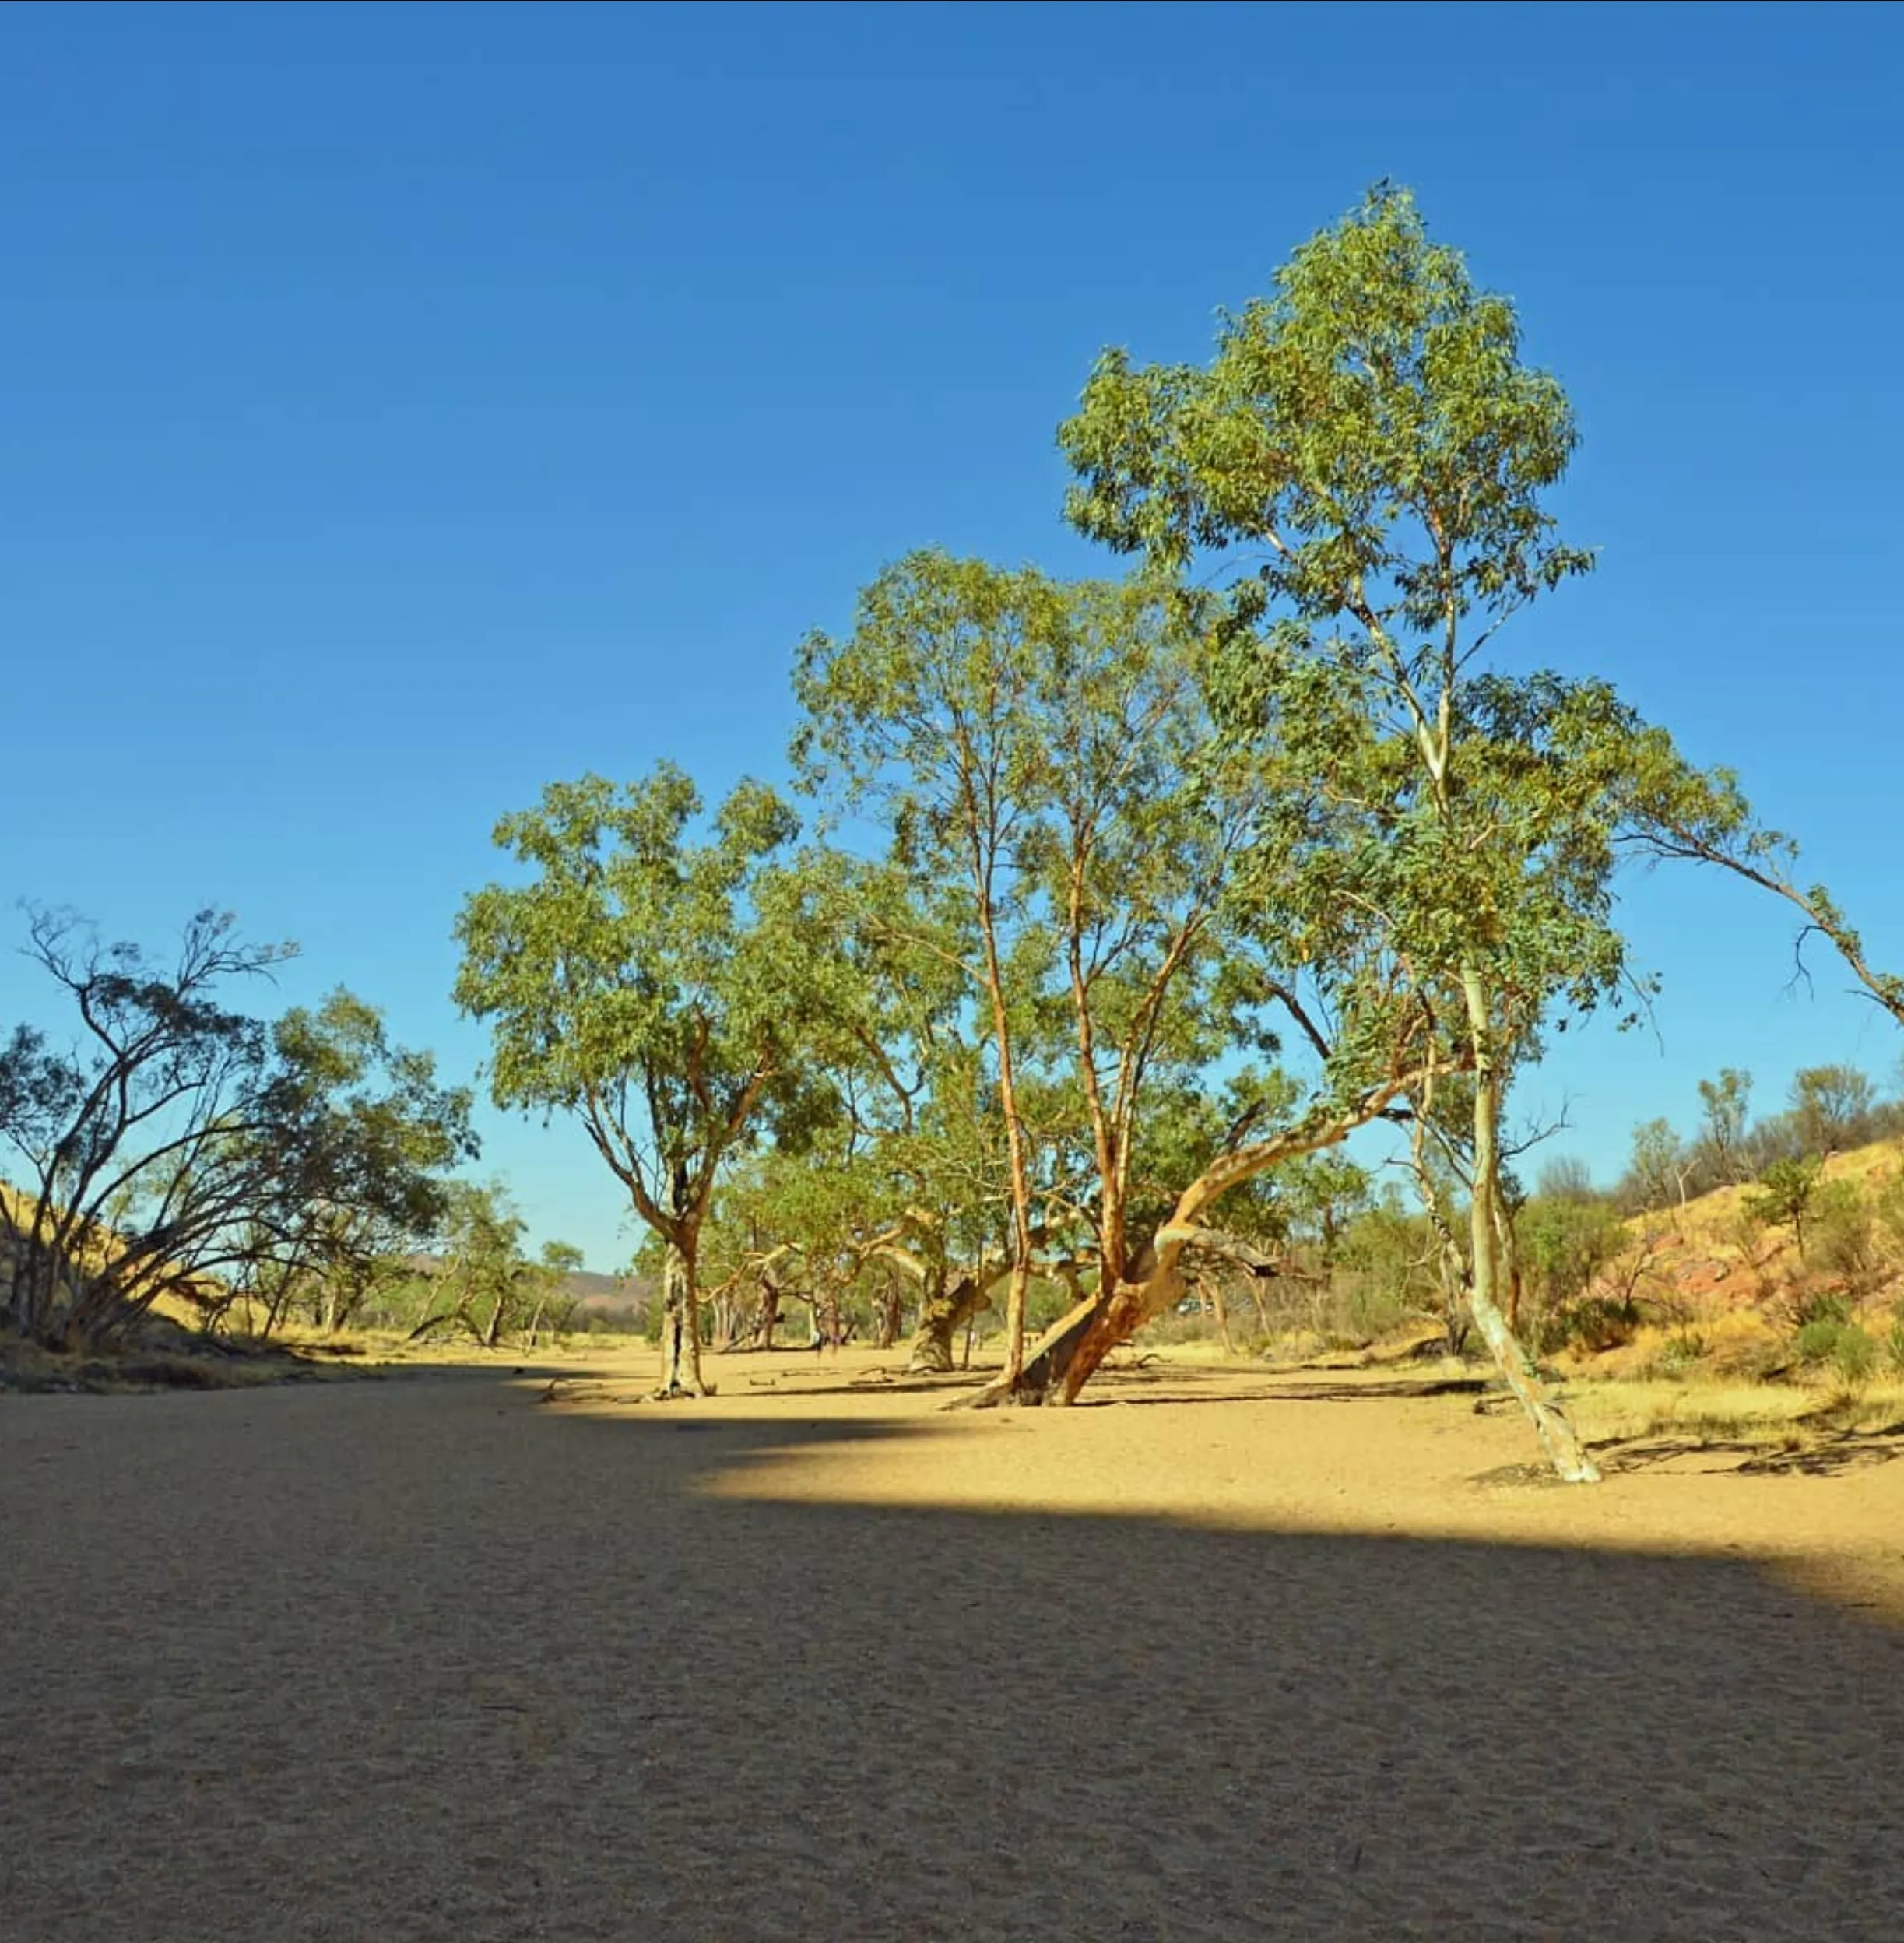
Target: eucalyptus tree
(177, 1147)
(921, 717)
(916, 1074)
(944, 1229)
(388, 1196)
(1373, 1043)
(1134, 823)
(1024, 742)
(654, 983)
(798, 1227)
(1141, 829)
(1364, 464)
(1724, 1116)
(1832, 1107)
(902, 1053)
(551, 1304)
(474, 1282)
(1041, 755)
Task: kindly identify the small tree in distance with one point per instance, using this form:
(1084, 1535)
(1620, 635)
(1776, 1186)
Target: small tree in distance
(1832, 1105)
(1723, 1103)
(1784, 1196)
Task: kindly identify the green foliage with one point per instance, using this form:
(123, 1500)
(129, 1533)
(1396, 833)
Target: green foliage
(1376, 385)
(1843, 1238)
(1592, 1325)
(1368, 454)
(1810, 1305)
(1045, 1302)
(1373, 1311)
(561, 1257)
(1565, 1245)
(1657, 1163)
(1681, 1352)
(1038, 755)
(652, 983)
(1784, 1196)
(189, 1149)
(1392, 1252)
(1840, 1346)
(1887, 1215)
(1366, 461)
(393, 1133)
(1323, 1193)
(1723, 1103)
(1830, 1105)
(479, 1283)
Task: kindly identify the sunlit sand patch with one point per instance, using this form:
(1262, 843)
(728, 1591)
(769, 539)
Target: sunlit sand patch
(1242, 1448)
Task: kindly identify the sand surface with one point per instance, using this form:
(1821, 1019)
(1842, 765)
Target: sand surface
(1221, 1657)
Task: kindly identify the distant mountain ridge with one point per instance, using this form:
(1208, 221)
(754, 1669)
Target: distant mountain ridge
(601, 1294)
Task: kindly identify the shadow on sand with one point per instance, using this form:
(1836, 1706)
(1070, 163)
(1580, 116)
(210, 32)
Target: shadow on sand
(424, 1661)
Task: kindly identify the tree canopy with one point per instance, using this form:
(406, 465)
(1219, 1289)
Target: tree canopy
(649, 981)
(1160, 887)
(180, 1148)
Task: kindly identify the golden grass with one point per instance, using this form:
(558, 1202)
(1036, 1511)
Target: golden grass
(1799, 1416)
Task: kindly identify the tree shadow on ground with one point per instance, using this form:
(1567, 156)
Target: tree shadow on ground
(426, 1662)
(1822, 1454)
(875, 1383)
(1385, 1390)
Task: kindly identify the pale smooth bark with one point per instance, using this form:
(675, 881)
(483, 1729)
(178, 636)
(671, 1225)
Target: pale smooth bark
(1557, 1438)
(680, 1326)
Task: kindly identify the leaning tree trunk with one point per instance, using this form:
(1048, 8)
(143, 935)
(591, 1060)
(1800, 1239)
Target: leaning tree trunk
(680, 1325)
(1065, 1358)
(1571, 1464)
(1115, 1316)
(943, 1312)
(1073, 1349)
(1048, 1368)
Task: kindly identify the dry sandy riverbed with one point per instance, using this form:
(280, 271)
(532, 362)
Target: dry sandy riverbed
(429, 1658)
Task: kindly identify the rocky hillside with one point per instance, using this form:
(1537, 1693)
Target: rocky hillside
(1730, 1278)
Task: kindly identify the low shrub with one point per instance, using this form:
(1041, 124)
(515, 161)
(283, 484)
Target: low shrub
(1806, 1307)
(1683, 1351)
(1591, 1325)
(1840, 1346)
(1374, 1309)
(1844, 1238)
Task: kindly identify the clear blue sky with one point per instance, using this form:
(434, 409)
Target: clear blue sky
(403, 407)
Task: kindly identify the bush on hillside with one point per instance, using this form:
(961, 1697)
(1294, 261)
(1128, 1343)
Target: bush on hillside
(1590, 1326)
(1805, 1305)
(1844, 1238)
(1840, 1346)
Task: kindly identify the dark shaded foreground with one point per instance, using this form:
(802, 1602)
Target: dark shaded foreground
(417, 1659)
